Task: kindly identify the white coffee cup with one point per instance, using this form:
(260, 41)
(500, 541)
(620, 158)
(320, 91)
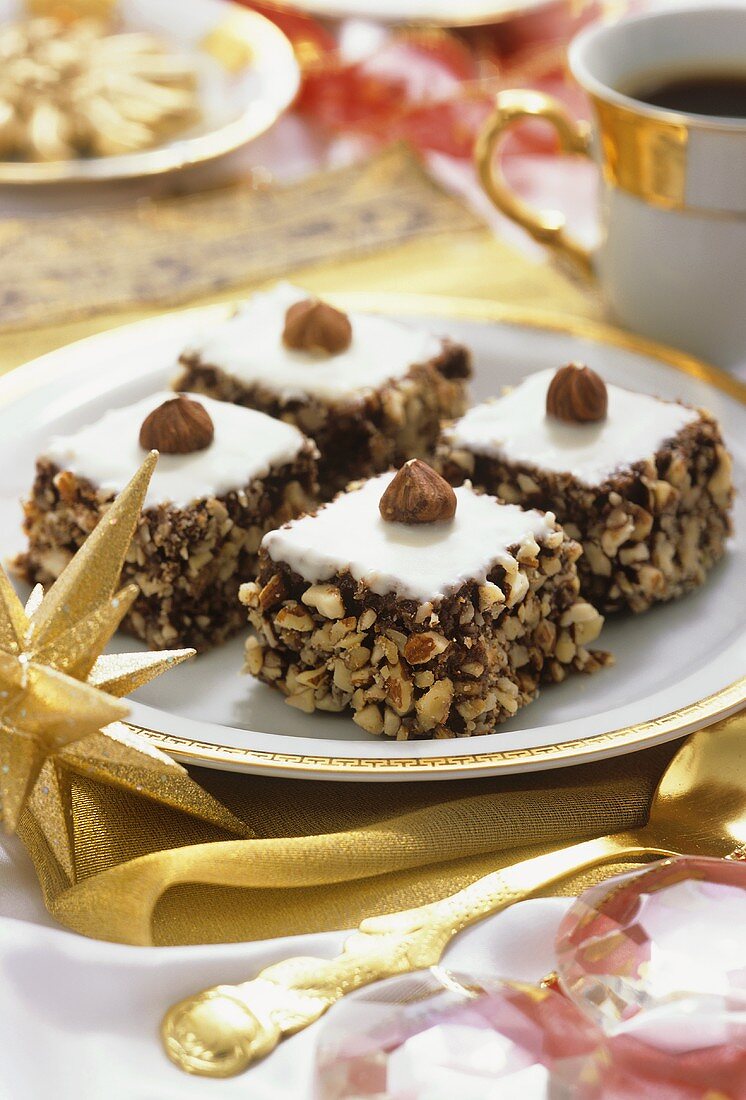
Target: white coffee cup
(672, 259)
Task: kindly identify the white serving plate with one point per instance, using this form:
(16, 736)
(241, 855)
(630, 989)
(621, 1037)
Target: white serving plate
(678, 667)
(441, 13)
(247, 76)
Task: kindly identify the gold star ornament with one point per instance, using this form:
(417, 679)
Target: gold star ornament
(57, 687)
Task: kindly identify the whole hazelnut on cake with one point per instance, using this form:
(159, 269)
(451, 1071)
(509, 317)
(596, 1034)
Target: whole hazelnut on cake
(315, 326)
(577, 395)
(177, 427)
(418, 495)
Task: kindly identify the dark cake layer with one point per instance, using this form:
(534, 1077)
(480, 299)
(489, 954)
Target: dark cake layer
(187, 562)
(455, 668)
(649, 533)
(362, 437)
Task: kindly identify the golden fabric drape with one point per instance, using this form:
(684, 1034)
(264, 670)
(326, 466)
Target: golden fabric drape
(319, 855)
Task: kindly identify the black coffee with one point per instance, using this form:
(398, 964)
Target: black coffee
(721, 94)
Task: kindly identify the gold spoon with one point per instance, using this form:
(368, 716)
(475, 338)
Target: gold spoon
(698, 808)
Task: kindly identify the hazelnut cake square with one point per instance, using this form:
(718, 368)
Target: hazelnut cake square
(226, 475)
(428, 612)
(370, 391)
(642, 483)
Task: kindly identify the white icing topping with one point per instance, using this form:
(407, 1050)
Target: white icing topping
(516, 428)
(249, 347)
(247, 445)
(418, 561)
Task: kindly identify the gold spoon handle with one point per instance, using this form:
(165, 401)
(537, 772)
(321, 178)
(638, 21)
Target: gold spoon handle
(221, 1031)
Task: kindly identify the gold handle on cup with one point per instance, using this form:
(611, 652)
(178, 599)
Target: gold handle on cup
(545, 226)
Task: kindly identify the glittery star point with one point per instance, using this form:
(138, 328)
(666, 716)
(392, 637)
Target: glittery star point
(57, 687)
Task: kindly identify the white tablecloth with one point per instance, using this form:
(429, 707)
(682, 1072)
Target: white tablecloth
(80, 1017)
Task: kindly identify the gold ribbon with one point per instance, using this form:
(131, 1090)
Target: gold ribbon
(318, 855)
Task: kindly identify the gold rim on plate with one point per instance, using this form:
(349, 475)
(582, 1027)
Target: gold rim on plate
(653, 731)
(238, 38)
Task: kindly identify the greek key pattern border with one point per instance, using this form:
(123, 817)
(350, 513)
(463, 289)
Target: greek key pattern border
(718, 705)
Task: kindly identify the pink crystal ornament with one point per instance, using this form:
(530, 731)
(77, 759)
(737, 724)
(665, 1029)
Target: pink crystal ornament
(658, 960)
(437, 1035)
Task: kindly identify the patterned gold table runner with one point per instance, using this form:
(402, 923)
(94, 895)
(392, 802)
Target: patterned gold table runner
(383, 225)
